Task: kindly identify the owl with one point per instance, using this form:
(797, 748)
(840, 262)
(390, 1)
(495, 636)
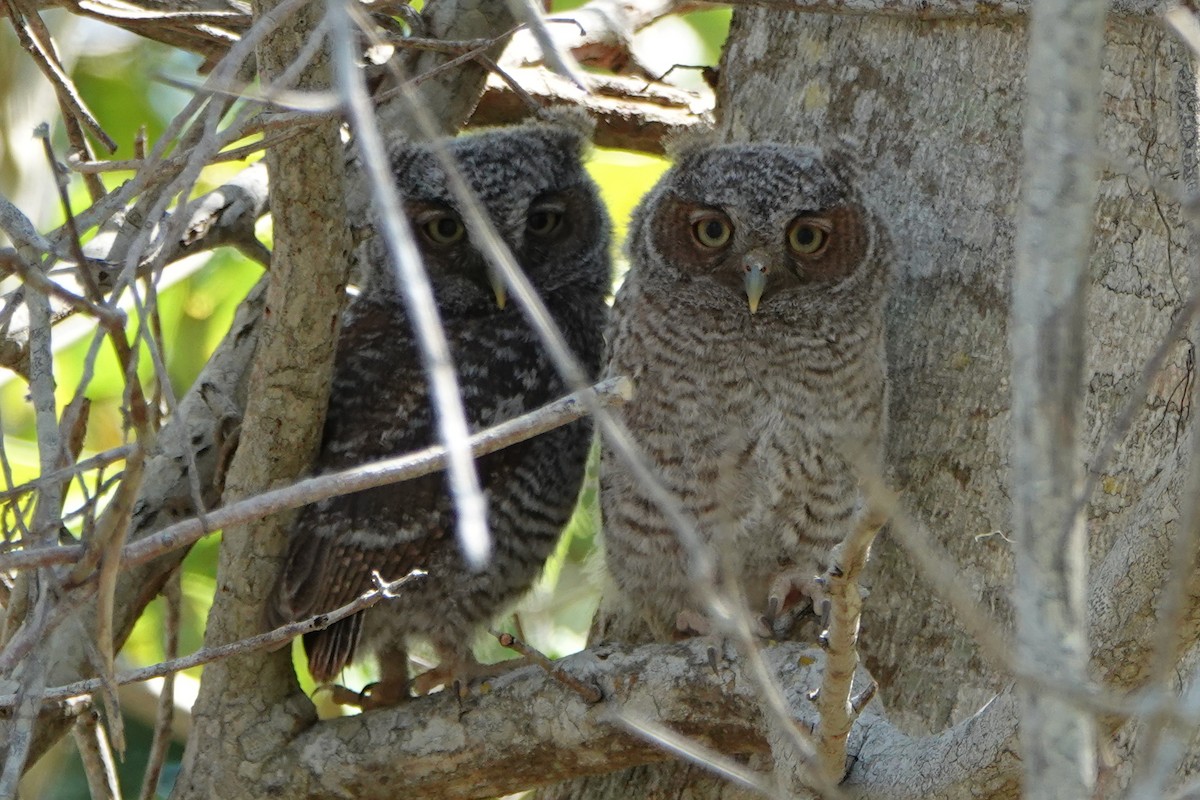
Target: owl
(531, 183)
(751, 324)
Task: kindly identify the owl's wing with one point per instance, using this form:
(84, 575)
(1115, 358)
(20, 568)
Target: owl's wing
(378, 408)
(335, 548)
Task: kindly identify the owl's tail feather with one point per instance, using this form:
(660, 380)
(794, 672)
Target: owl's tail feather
(330, 650)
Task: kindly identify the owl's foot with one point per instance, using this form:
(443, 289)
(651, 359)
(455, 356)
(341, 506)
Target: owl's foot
(384, 694)
(463, 675)
(690, 622)
(786, 596)
(440, 676)
(381, 694)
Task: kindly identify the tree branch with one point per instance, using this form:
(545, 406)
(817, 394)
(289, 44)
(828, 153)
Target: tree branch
(630, 113)
(937, 9)
(836, 705)
(264, 641)
(1053, 245)
(609, 393)
(528, 729)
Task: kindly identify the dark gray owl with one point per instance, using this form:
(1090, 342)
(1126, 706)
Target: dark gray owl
(751, 323)
(531, 183)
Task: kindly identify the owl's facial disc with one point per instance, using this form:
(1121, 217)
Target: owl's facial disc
(443, 237)
(713, 236)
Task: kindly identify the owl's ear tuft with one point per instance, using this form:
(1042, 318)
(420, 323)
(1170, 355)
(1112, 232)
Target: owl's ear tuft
(845, 158)
(572, 123)
(689, 140)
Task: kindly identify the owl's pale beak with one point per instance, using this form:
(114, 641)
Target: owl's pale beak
(755, 281)
(497, 281)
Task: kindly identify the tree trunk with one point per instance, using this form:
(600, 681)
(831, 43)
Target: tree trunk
(933, 108)
(249, 704)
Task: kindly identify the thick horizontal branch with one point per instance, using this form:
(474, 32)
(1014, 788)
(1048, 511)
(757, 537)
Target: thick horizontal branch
(598, 34)
(383, 473)
(210, 32)
(630, 113)
(526, 729)
(983, 10)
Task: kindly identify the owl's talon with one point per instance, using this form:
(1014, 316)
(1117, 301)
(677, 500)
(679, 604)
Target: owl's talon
(773, 606)
(428, 681)
(785, 599)
(712, 660)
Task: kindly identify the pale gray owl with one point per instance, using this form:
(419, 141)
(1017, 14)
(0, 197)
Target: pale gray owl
(532, 185)
(751, 323)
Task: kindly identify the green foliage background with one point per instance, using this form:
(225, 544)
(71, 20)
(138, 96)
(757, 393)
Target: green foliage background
(117, 74)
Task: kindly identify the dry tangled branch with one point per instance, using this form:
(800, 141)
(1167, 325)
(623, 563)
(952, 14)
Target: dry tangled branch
(159, 491)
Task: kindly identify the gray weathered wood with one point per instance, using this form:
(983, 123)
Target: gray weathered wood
(1048, 335)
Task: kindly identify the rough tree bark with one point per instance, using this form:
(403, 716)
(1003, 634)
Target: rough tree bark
(285, 411)
(232, 753)
(934, 110)
(1049, 303)
(938, 133)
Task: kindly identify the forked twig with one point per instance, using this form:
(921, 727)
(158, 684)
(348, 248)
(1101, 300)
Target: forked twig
(837, 706)
(590, 693)
(270, 640)
(97, 757)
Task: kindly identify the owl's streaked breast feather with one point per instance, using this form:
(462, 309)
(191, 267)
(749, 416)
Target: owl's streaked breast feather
(380, 406)
(746, 405)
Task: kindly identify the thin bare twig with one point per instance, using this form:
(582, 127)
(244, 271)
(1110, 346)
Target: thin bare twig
(97, 756)
(553, 54)
(835, 701)
(27, 700)
(554, 415)
(106, 545)
(165, 714)
(405, 85)
(80, 146)
(44, 56)
(34, 278)
(694, 752)
(40, 588)
(263, 641)
(126, 358)
(589, 693)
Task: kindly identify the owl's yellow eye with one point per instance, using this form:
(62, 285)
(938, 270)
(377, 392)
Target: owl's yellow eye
(807, 237)
(712, 232)
(544, 221)
(444, 229)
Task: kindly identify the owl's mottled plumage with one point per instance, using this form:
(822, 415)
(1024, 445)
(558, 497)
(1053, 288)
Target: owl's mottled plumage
(751, 323)
(530, 181)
